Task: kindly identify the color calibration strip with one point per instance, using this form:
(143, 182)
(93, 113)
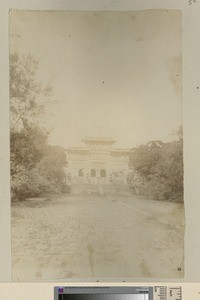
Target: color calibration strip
(118, 293)
(144, 296)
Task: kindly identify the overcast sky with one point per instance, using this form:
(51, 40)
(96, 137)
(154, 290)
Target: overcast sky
(114, 74)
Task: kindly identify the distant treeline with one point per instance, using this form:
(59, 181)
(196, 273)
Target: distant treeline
(158, 170)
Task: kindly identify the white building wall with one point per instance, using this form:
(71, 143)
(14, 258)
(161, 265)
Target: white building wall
(98, 158)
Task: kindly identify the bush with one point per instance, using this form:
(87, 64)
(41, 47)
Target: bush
(36, 167)
(158, 170)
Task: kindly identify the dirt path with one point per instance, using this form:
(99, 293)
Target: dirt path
(77, 236)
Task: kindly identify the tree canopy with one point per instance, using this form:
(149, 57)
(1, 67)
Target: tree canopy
(28, 96)
(158, 169)
(36, 166)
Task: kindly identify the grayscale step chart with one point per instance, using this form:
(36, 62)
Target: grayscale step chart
(118, 293)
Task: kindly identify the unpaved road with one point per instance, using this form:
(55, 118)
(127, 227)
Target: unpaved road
(80, 237)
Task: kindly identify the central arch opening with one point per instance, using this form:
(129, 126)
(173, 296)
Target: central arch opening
(103, 173)
(93, 173)
(80, 173)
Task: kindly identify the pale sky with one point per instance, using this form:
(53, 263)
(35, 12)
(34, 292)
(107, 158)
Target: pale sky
(114, 74)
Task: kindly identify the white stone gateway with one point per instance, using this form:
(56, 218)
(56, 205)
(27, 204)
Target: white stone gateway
(98, 162)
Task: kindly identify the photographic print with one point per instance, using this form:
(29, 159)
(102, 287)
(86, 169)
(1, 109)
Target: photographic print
(96, 145)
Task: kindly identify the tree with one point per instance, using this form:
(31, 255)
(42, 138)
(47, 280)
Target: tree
(27, 147)
(158, 169)
(27, 95)
(51, 168)
(144, 158)
(36, 166)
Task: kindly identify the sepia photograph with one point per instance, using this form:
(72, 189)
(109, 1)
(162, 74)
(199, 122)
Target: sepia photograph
(96, 145)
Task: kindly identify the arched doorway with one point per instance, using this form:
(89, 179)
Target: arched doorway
(93, 173)
(81, 173)
(103, 173)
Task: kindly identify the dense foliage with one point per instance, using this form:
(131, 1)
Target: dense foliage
(36, 166)
(158, 170)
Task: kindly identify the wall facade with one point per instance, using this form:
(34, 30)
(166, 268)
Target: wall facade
(97, 163)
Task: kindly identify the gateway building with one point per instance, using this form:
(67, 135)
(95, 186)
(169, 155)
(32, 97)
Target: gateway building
(98, 162)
